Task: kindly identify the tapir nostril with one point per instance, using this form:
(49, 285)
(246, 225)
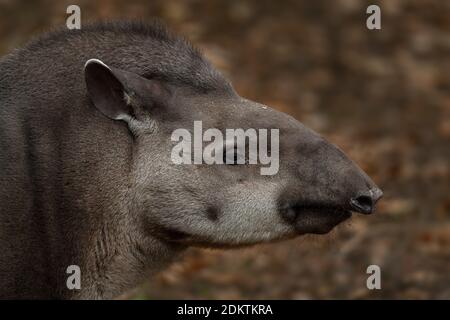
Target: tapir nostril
(362, 204)
(365, 203)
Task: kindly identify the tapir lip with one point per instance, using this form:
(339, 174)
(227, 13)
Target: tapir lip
(317, 219)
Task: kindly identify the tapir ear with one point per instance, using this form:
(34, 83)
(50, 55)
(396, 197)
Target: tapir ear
(106, 90)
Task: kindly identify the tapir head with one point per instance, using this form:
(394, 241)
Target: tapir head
(195, 183)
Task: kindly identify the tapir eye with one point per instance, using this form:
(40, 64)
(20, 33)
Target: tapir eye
(236, 157)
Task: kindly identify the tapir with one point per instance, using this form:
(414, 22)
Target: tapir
(87, 178)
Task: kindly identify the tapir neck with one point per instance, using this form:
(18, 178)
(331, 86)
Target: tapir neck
(68, 204)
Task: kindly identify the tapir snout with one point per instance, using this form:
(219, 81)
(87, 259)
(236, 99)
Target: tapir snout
(328, 186)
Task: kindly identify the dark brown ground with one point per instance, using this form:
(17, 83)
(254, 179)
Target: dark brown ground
(382, 96)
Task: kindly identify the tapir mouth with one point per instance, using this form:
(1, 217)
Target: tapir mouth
(316, 219)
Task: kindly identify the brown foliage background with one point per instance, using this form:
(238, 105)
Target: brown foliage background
(382, 96)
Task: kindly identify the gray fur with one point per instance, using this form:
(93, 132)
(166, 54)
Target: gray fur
(77, 187)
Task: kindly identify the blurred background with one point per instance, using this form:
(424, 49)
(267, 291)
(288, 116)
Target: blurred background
(382, 95)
